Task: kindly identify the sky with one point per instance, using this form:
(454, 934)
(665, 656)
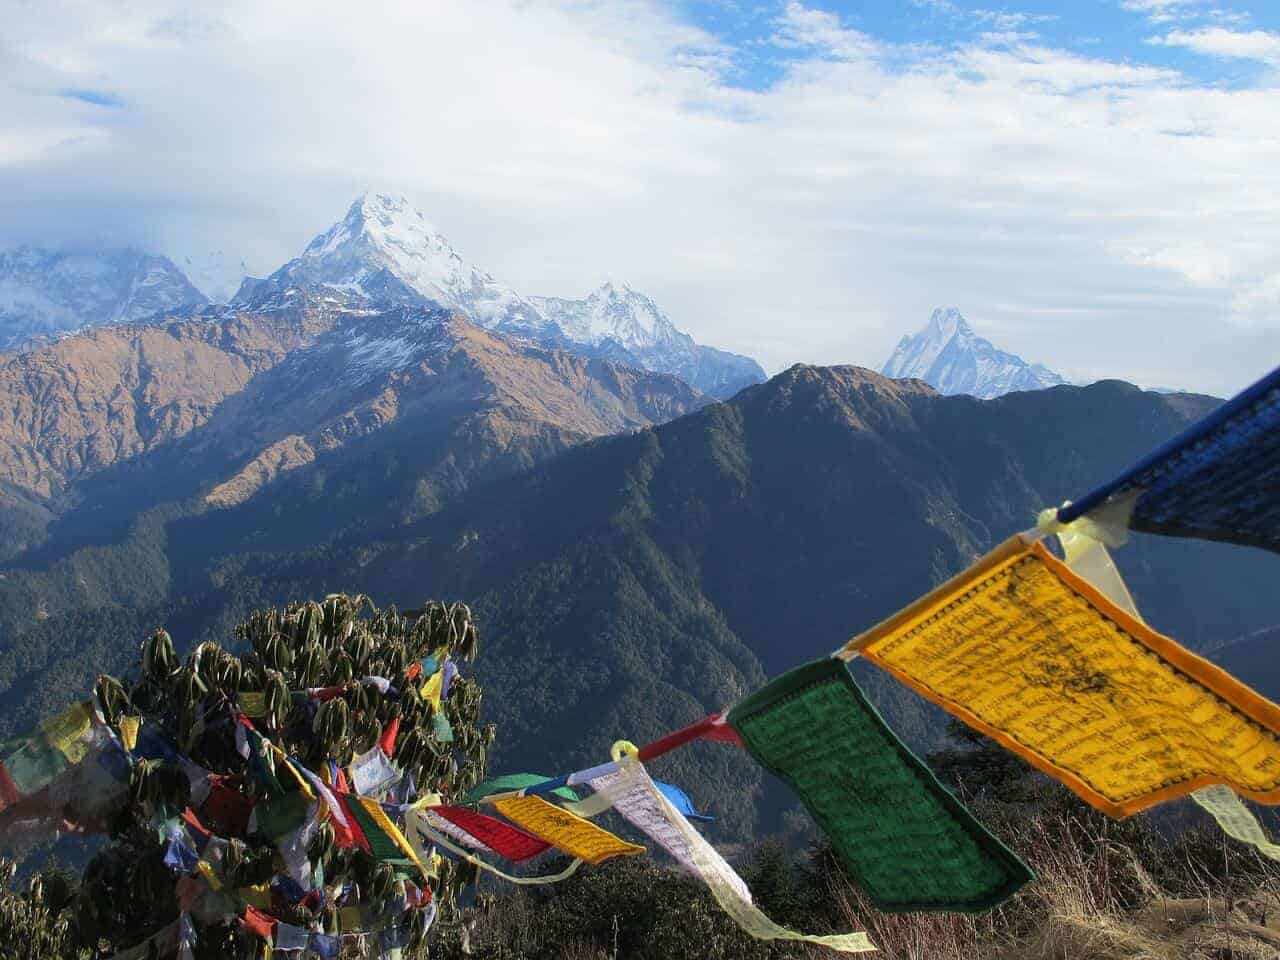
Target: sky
(1094, 183)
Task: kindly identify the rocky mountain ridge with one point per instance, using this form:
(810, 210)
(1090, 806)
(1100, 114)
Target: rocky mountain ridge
(236, 399)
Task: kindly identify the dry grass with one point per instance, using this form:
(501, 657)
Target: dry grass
(1093, 900)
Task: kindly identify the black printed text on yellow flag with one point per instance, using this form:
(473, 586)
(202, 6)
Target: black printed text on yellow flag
(567, 831)
(1026, 651)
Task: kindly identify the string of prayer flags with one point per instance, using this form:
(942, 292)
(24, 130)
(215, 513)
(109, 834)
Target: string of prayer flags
(635, 796)
(59, 743)
(418, 829)
(1026, 651)
(289, 938)
(449, 673)
(502, 838)
(1217, 480)
(226, 809)
(908, 843)
(566, 831)
(276, 816)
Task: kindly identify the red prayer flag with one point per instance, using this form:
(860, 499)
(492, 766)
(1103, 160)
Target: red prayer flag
(8, 789)
(324, 694)
(226, 808)
(357, 837)
(201, 832)
(388, 740)
(499, 836)
(255, 921)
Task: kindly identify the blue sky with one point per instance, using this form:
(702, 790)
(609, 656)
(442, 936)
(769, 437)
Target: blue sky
(1092, 183)
(1094, 28)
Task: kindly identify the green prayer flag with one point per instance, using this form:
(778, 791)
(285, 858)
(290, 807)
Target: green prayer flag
(441, 727)
(34, 765)
(381, 846)
(901, 835)
(513, 781)
(281, 814)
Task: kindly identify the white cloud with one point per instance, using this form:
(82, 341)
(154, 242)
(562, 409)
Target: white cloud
(1100, 216)
(1160, 11)
(804, 27)
(1229, 44)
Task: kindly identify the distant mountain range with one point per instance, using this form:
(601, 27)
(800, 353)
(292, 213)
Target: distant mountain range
(386, 252)
(45, 293)
(952, 359)
(383, 251)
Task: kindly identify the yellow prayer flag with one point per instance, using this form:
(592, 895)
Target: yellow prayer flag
(375, 811)
(253, 704)
(66, 732)
(1026, 651)
(575, 836)
(206, 870)
(129, 731)
(432, 688)
(350, 919)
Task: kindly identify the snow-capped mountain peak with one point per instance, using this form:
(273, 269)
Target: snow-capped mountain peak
(45, 293)
(612, 312)
(386, 252)
(950, 357)
(385, 223)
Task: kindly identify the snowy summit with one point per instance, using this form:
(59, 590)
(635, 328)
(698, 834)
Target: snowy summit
(387, 252)
(952, 359)
(44, 293)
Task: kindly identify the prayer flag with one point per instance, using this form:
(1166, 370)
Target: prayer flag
(511, 783)
(680, 800)
(1026, 651)
(129, 732)
(259, 923)
(431, 690)
(903, 837)
(564, 830)
(372, 773)
(502, 838)
(388, 739)
(635, 796)
(1216, 480)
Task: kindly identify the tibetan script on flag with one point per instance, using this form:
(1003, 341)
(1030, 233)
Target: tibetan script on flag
(1026, 651)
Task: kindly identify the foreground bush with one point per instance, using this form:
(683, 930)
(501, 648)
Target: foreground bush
(315, 683)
